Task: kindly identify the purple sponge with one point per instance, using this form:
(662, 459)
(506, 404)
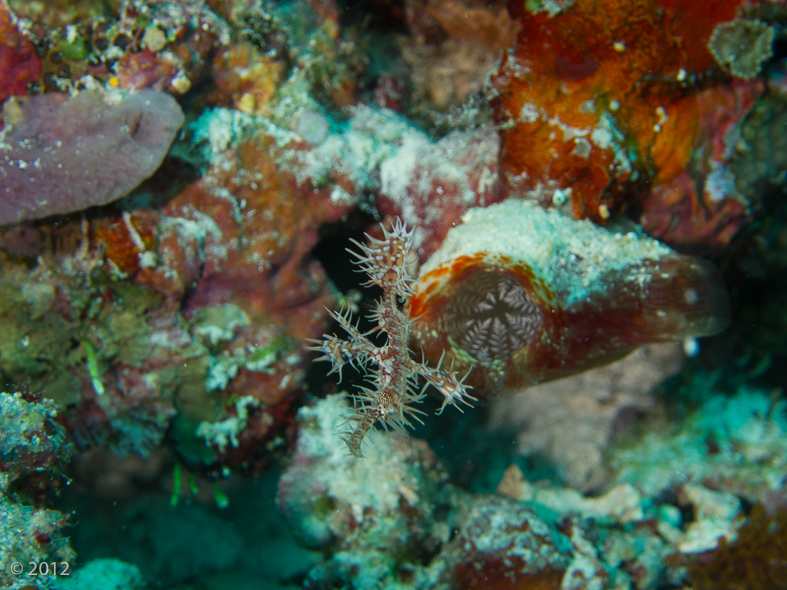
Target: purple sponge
(60, 154)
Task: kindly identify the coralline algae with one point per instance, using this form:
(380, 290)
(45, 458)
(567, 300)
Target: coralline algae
(60, 154)
(523, 295)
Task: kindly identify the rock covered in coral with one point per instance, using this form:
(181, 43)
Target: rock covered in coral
(428, 184)
(679, 490)
(759, 162)
(704, 206)
(33, 450)
(19, 64)
(161, 45)
(591, 112)
(392, 520)
(103, 573)
(62, 154)
(453, 46)
(735, 444)
(235, 245)
(376, 515)
(576, 117)
(713, 461)
(522, 295)
(356, 507)
(571, 422)
(134, 358)
(231, 249)
(501, 542)
(32, 442)
(364, 492)
(431, 185)
(760, 545)
(30, 534)
(211, 292)
(130, 412)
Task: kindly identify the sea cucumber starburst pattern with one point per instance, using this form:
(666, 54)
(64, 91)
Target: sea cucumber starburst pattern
(392, 374)
(491, 317)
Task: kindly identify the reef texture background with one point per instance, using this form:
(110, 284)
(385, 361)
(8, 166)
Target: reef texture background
(593, 195)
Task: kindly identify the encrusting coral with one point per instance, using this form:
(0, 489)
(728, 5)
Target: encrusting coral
(394, 382)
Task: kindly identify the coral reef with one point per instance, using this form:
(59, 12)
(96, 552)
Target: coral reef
(453, 46)
(139, 44)
(177, 308)
(754, 560)
(576, 121)
(428, 184)
(571, 422)
(605, 117)
(521, 159)
(704, 206)
(32, 443)
(19, 64)
(348, 495)
(103, 573)
(759, 140)
(207, 247)
(734, 445)
(502, 544)
(432, 184)
(523, 295)
(379, 515)
(33, 450)
(531, 535)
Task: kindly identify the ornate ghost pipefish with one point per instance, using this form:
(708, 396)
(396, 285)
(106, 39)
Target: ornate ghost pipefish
(523, 295)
